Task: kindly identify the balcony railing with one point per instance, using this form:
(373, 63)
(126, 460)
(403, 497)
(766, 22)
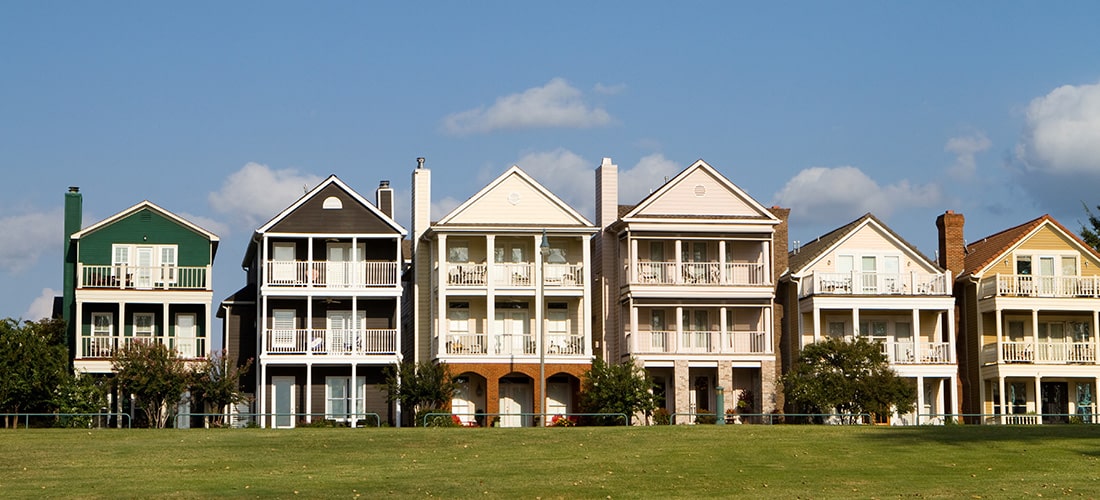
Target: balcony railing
(103, 346)
(699, 273)
(702, 342)
(861, 283)
(144, 277)
(479, 344)
(1041, 352)
(330, 342)
(339, 275)
(1026, 285)
(514, 275)
(907, 352)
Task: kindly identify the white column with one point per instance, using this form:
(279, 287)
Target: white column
(354, 410)
(632, 272)
(261, 388)
(855, 321)
(586, 298)
(309, 392)
(769, 333)
(634, 328)
(916, 336)
(998, 326)
(951, 341)
(816, 326)
(1095, 337)
(920, 397)
(722, 277)
(1038, 397)
(1035, 334)
(679, 330)
(164, 329)
(953, 400)
(722, 336)
(1004, 398)
(440, 324)
(678, 274)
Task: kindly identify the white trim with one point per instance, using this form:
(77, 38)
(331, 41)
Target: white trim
(144, 204)
(332, 179)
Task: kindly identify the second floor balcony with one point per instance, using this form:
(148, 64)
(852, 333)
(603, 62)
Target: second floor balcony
(700, 342)
(491, 345)
(698, 273)
(1028, 285)
(908, 352)
(331, 274)
(1039, 351)
(127, 277)
(516, 275)
(873, 283)
(106, 346)
(331, 342)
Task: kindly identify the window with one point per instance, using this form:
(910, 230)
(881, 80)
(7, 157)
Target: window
(1069, 266)
(143, 325)
(458, 318)
(102, 324)
(873, 329)
(1016, 331)
(332, 203)
(282, 328)
(458, 252)
(657, 251)
(903, 331)
(658, 329)
(836, 329)
(845, 263)
(1080, 331)
(338, 397)
(1023, 264)
(120, 259)
(557, 319)
(168, 264)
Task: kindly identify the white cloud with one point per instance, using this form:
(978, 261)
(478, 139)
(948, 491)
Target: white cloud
(822, 194)
(645, 177)
(965, 147)
(1062, 134)
(219, 228)
(556, 104)
(566, 174)
(42, 306)
(256, 193)
(23, 238)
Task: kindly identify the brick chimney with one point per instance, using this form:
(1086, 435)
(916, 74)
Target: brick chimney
(952, 250)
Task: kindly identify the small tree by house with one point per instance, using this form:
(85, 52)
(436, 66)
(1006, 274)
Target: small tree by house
(847, 377)
(155, 375)
(1091, 233)
(79, 393)
(35, 364)
(217, 382)
(616, 388)
(422, 388)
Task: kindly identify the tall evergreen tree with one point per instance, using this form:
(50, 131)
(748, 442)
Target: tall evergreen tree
(1091, 233)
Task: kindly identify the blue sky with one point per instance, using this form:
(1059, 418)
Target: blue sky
(223, 111)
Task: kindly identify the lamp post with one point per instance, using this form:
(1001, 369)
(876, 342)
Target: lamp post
(544, 251)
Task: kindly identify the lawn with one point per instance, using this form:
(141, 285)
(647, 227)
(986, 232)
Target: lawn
(658, 462)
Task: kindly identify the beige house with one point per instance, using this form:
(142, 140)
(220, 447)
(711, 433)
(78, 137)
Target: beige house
(1029, 305)
(686, 288)
(863, 280)
(501, 294)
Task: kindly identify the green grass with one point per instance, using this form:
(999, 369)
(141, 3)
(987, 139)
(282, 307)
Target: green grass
(681, 461)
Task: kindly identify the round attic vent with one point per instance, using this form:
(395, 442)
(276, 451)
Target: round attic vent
(513, 198)
(700, 190)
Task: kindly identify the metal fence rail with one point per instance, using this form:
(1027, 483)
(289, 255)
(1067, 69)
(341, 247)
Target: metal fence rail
(449, 416)
(27, 417)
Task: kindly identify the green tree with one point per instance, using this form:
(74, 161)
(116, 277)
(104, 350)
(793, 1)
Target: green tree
(617, 388)
(1091, 233)
(34, 364)
(79, 393)
(217, 382)
(854, 377)
(422, 388)
(155, 375)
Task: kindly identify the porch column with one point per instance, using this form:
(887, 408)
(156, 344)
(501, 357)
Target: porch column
(953, 398)
(916, 335)
(769, 278)
(588, 295)
(309, 391)
(920, 397)
(354, 410)
(261, 388)
(1095, 395)
(79, 340)
(769, 330)
(1004, 398)
(1038, 397)
(1035, 334)
(722, 278)
(632, 273)
(998, 320)
(1095, 338)
(441, 328)
(725, 380)
(682, 386)
(309, 326)
(816, 326)
(855, 321)
(679, 328)
(540, 304)
(722, 335)
(634, 328)
(951, 340)
(164, 330)
(490, 255)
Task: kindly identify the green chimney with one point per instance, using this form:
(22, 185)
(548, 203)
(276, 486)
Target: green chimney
(74, 208)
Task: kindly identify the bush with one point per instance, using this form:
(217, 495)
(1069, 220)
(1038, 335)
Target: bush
(661, 416)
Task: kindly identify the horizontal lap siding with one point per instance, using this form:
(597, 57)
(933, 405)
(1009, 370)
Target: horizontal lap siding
(145, 227)
(353, 218)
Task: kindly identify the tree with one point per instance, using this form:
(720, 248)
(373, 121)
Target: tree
(218, 382)
(422, 388)
(79, 393)
(155, 375)
(617, 388)
(1091, 234)
(850, 378)
(35, 362)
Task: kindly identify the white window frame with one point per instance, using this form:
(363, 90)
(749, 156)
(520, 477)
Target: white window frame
(151, 331)
(96, 331)
(338, 398)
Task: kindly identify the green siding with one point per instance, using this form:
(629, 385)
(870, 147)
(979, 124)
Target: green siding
(145, 227)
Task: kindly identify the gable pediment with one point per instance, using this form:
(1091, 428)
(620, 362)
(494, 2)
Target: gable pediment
(700, 191)
(514, 199)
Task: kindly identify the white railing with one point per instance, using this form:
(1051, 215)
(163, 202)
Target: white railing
(144, 277)
(700, 273)
(330, 342)
(475, 344)
(514, 274)
(297, 273)
(564, 345)
(1025, 285)
(861, 283)
(564, 275)
(521, 344)
(705, 342)
(466, 274)
(466, 343)
(1047, 352)
(97, 346)
(906, 352)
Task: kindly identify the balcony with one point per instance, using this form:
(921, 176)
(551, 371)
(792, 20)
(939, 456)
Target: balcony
(1041, 352)
(699, 274)
(701, 342)
(1026, 285)
(514, 275)
(329, 342)
(917, 353)
(330, 275)
(144, 277)
(861, 283)
(102, 346)
(479, 344)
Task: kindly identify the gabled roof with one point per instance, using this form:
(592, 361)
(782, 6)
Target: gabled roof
(758, 211)
(808, 254)
(331, 180)
(573, 217)
(146, 205)
(984, 252)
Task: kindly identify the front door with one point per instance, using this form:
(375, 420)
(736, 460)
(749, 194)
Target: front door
(515, 400)
(282, 402)
(1055, 403)
(185, 335)
(557, 399)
